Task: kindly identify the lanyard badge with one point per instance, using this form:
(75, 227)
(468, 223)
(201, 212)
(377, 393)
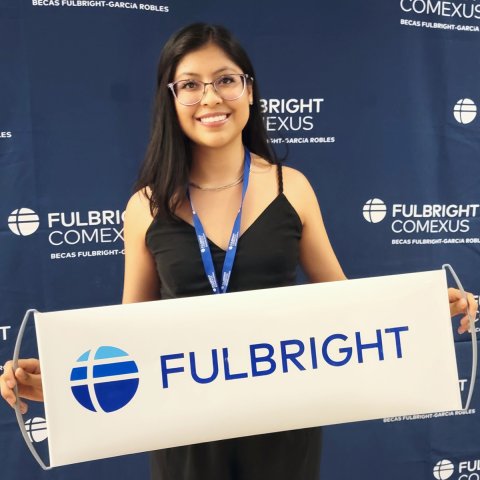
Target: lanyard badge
(232, 244)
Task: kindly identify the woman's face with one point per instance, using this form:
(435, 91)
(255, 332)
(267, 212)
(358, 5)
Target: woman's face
(213, 122)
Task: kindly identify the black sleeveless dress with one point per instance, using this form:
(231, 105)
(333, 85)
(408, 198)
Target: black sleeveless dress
(267, 256)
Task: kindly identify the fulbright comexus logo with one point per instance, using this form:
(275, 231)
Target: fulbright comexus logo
(465, 470)
(104, 379)
(294, 120)
(425, 224)
(67, 231)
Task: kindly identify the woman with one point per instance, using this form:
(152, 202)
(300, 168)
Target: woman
(208, 143)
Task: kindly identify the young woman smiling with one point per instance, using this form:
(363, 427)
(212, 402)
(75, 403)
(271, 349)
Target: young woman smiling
(207, 128)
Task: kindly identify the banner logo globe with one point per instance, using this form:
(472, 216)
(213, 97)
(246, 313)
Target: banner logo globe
(465, 111)
(374, 211)
(36, 429)
(23, 221)
(104, 379)
(443, 470)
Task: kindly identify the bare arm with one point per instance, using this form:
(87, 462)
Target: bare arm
(316, 253)
(141, 282)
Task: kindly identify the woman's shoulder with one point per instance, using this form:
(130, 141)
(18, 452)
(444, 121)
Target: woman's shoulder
(138, 213)
(295, 178)
(298, 191)
(140, 200)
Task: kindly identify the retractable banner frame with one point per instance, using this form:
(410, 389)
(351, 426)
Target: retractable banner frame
(139, 377)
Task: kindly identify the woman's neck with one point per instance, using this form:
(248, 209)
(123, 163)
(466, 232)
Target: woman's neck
(216, 166)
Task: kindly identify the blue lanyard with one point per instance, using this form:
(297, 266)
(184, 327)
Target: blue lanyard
(232, 244)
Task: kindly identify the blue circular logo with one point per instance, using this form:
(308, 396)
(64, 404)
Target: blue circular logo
(104, 380)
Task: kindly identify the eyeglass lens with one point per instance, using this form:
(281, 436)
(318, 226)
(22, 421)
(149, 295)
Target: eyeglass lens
(229, 87)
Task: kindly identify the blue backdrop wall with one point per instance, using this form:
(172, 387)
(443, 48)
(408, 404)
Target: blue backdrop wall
(376, 103)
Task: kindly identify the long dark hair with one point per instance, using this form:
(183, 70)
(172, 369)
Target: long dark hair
(167, 162)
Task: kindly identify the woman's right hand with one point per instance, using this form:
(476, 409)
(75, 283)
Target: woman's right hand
(28, 379)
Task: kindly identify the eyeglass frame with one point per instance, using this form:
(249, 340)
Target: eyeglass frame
(245, 77)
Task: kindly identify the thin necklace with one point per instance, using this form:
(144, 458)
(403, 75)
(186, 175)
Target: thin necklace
(221, 187)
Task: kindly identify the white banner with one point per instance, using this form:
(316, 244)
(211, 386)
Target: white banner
(139, 377)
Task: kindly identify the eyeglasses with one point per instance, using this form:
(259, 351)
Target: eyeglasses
(228, 87)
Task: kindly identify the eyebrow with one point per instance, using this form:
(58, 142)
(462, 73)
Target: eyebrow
(191, 74)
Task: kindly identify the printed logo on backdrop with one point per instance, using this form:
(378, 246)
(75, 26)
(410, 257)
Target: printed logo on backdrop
(443, 470)
(424, 224)
(104, 380)
(465, 111)
(139, 6)
(4, 331)
(464, 385)
(23, 221)
(374, 211)
(78, 234)
(294, 120)
(461, 16)
(465, 470)
(5, 135)
(36, 429)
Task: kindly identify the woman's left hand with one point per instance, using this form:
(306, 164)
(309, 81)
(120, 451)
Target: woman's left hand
(458, 305)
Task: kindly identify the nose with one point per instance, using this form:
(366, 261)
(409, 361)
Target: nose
(210, 95)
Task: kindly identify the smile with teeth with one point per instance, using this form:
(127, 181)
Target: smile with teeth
(214, 118)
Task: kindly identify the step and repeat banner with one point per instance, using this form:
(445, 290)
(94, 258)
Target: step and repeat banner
(375, 102)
